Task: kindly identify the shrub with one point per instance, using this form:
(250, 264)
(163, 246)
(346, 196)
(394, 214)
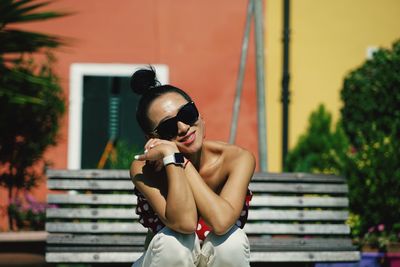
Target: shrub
(371, 120)
(321, 149)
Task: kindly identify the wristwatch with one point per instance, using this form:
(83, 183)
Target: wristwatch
(176, 159)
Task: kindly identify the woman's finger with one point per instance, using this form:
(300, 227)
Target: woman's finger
(151, 154)
(141, 157)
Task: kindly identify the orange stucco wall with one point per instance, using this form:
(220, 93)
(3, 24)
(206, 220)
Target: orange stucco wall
(200, 41)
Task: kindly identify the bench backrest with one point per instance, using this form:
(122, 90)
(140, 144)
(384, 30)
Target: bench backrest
(96, 214)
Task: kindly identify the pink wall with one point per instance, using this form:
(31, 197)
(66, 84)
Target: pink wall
(200, 41)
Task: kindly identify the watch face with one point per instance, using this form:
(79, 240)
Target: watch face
(179, 158)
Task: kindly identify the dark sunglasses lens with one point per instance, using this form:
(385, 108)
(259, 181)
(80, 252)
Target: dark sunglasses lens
(188, 114)
(168, 129)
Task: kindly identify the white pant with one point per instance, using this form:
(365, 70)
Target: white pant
(172, 249)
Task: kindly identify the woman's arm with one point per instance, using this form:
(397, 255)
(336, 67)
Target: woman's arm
(172, 199)
(221, 211)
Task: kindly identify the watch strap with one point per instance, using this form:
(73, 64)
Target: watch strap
(176, 159)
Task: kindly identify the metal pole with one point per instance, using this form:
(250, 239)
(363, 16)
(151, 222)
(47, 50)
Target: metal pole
(285, 81)
(242, 66)
(262, 128)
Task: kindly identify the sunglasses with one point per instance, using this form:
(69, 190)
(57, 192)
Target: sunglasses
(168, 129)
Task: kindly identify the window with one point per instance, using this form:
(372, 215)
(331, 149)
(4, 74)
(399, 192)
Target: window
(93, 88)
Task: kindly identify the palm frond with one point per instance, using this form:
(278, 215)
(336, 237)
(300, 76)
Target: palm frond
(16, 41)
(18, 98)
(18, 11)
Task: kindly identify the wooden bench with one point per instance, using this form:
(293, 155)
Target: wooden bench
(294, 217)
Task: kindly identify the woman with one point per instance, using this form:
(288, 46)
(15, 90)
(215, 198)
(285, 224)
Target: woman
(190, 191)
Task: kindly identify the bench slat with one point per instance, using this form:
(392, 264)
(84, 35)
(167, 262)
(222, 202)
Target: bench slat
(301, 229)
(96, 249)
(255, 187)
(300, 244)
(257, 201)
(309, 256)
(292, 201)
(86, 213)
(87, 257)
(85, 174)
(90, 184)
(297, 215)
(124, 174)
(298, 188)
(95, 239)
(251, 228)
(92, 199)
(81, 227)
(129, 257)
(297, 177)
(264, 214)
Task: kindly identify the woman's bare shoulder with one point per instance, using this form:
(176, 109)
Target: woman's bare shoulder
(230, 153)
(228, 150)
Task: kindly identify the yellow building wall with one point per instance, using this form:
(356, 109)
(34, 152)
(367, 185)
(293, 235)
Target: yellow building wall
(328, 40)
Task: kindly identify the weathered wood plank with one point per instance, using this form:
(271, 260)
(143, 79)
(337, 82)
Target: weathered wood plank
(99, 249)
(297, 177)
(310, 256)
(124, 174)
(88, 257)
(297, 215)
(92, 199)
(130, 257)
(264, 214)
(299, 188)
(257, 201)
(75, 239)
(86, 213)
(90, 184)
(110, 227)
(301, 229)
(292, 201)
(85, 174)
(300, 244)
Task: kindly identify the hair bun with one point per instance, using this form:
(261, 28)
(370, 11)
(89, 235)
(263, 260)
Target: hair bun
(143, 79)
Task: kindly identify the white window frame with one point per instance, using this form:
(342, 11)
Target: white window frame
(77, 73)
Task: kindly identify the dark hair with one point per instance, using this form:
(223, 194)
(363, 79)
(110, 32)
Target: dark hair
(144, 82)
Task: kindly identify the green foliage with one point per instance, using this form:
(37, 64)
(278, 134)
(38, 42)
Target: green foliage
(321, 149)
(16, 42)
(28, 128)
(124, 155)
(371, 120)
(31, 100)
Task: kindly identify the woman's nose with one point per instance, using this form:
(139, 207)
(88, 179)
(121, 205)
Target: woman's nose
(182, 128)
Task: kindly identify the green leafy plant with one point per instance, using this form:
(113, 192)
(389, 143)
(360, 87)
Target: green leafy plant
(321, 149)
(371, 120)
(31, 100)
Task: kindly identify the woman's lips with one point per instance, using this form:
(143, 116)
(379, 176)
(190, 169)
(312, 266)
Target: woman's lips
(189, 139)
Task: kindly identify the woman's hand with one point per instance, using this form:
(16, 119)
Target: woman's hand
(156, 149)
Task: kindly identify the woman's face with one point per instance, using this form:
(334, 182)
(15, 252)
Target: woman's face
(190, 137)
